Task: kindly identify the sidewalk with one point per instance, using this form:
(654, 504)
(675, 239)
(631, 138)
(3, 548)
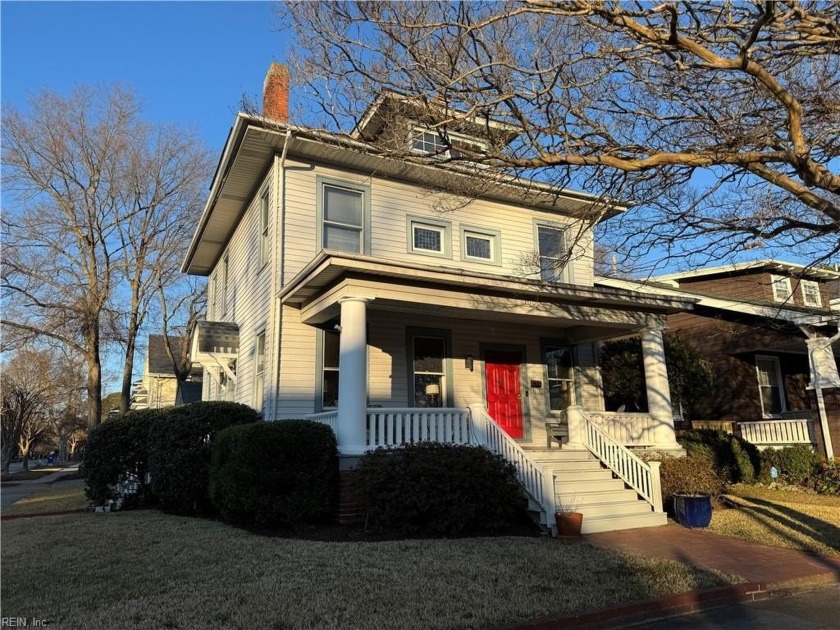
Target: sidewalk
(13, 491)
(765, 569)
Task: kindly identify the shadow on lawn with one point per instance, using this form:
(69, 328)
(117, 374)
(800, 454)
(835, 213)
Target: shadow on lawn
(774, 516)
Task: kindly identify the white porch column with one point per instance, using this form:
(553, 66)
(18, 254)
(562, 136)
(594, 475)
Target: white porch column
(656, 383)
(824, 374)
(352, 379)
(574, 418)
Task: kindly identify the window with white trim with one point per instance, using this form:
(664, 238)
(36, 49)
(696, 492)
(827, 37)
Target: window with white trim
(264, 233)
(344, 217)
(225, 270)
(770, 386)
(329, 399)
(811, 293)
(552, 252)
(480, 245)
(212, 290)
(426, 142)
(429, 370)
(429, 236)
(259, 372)
(560, 376)
(781, 288)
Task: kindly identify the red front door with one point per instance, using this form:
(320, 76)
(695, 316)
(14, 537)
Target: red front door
(504, 391)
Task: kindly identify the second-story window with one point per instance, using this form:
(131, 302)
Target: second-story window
(224, 294)
(264, 235)
(552, 252)
(345, 215)
(480, 245)
(429, 236)
(811, 293)
(781, 288)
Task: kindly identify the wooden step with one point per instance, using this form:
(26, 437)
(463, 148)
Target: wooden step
(574, 486)
(594, 524)
(607, 496)
(614, 509)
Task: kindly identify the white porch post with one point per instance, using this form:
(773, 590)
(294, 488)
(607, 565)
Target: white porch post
(656, 383)
(574, 418)
(824, 374)
(352, 380)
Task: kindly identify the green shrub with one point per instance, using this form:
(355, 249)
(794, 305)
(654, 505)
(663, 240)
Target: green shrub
(117, 447)
(275, 473)
(826, 480)
(180, 452)
(795, 464)
(693, 473)
(432, 489)
(734, 459)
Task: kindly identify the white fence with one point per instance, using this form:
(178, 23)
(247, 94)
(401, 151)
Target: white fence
(392, 427)
(630, 429)
(777, 433)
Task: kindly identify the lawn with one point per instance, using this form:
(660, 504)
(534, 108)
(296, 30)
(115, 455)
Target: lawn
(781, 518)
(144, 569)
(58, 497)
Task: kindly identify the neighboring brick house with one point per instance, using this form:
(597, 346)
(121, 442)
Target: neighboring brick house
(159, 387)
(760, 325)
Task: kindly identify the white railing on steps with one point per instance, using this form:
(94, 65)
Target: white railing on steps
(538, 482)
(642, 476)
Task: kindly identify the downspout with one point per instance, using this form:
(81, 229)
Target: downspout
(280, 268)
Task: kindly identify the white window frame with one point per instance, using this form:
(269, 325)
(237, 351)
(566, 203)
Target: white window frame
(780, 281)
(565, 274)
(323, 183)
(259, 371)
(264, 235)
(444, 228)
(443, 375)
(211, 297)
(440, 149)
(493, 236)
(779, 379)
(816, 287)
(225, 274)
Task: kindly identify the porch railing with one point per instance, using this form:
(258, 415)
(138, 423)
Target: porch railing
(330, 418)
(392, 427)
(642, 476)
(777, 432)
(630, 429)
(538, 482)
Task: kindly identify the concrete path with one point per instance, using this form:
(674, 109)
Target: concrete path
(11, 492)
(771, 567)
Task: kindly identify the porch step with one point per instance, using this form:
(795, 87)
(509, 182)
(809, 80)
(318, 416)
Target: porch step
(595, 524)
(578, 475)
(559, 455)
(570, 486)
(605, 497)
(634, 506)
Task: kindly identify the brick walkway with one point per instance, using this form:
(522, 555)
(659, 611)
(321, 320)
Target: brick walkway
(771, 567)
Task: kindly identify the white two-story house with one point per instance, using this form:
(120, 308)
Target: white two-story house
(339, 290)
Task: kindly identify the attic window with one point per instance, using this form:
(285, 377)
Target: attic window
(431, 143)
(428, 143)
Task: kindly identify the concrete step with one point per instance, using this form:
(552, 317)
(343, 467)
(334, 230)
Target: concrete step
(558, 455)
(605, 496)
(614, 509)
(573, 466)
(594, 524)
(571, 486)
(581, 474)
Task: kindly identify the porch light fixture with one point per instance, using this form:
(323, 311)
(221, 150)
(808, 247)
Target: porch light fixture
(469, 362)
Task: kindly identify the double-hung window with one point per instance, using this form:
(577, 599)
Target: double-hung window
(428, 369)
(781, 288)
(345, 216)
(561, 376)
(480, 245)
(552, 252)
(329, 383)
(225, 271)
(259, 372)
(429, 236)
(770, 385)
(811, 293)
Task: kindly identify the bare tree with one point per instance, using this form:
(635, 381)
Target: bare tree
(25, 383)
(719, 120)
(96, 194)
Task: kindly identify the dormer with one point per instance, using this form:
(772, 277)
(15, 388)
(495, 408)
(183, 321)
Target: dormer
(431, 127)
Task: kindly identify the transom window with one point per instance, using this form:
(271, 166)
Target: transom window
(345, 217)
(553, 255)
(781, 288)
(561, 376)
(429, 370)
(811, 293)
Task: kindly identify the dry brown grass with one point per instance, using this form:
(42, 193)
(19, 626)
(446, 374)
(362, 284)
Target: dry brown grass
(148, 570)
(781, 518)
(56, 498)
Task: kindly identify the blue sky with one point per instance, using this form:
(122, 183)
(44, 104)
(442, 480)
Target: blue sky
(189, 62)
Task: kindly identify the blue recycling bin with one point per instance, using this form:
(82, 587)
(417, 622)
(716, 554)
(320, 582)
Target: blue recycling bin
(693, 510)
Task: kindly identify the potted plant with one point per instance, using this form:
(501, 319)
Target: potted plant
(692, 482)
(567, 520)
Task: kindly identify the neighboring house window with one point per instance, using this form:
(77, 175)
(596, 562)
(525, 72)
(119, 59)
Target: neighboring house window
(811, 293)
(259, 372)
(781, 288)
(480, 245)
(329, 399)
(427, 236)
(225, 269)
(770, 385)
(264, 239)
(345, 216)
(561, 376)
(553, 255)
(428, 370)
(211, 302)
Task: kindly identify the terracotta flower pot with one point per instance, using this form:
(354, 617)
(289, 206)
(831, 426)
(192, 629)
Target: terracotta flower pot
(568, 523)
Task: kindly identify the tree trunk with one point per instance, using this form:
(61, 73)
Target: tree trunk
(94, 391)
(128, 369)
(25, 455)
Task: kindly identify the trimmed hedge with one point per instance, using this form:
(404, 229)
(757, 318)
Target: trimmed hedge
(275, 473)
(795, 464)
(431, 489)
(180, 452)
(734, 459)
(114, 448)
(692, 473)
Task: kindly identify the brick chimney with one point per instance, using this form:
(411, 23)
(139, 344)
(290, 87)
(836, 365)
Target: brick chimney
(276, 93)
